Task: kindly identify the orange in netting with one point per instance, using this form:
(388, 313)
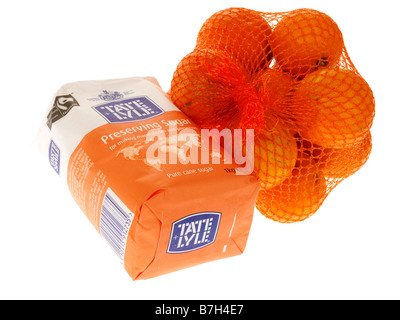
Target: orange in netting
(275, 155)
(242, 34)
(305, 40)
(288, 76)
(340, 163)
(297, 198)
(202, 88)
(342, 107)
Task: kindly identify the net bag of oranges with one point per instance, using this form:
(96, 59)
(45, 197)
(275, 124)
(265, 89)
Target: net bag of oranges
(288, 77)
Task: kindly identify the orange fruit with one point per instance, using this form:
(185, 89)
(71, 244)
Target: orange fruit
(242, 34)
(275, 154)
(342, 163)
(297, 198)
(337, 163)
(342, 107)
(202, 87)
(305, 40)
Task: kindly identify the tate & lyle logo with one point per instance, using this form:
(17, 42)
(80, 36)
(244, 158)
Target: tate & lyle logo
(128, 110)
(194, 232)
(54, 156)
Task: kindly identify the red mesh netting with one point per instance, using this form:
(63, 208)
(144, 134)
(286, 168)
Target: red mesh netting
(287, 76)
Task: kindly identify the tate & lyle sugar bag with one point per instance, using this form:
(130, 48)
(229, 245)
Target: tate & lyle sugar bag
(158, 217)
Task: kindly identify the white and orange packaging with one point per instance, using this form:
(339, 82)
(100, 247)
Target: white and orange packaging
(105, 138)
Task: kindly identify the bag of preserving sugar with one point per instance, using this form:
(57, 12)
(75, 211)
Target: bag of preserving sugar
(122, 148)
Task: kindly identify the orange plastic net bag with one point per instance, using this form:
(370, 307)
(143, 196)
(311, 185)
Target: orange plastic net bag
(288, 76)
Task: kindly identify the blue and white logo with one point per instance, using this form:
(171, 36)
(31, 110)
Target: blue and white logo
(194, 232)
(54, 156)
(128, 110)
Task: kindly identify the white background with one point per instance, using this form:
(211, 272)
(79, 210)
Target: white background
(48, 249)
